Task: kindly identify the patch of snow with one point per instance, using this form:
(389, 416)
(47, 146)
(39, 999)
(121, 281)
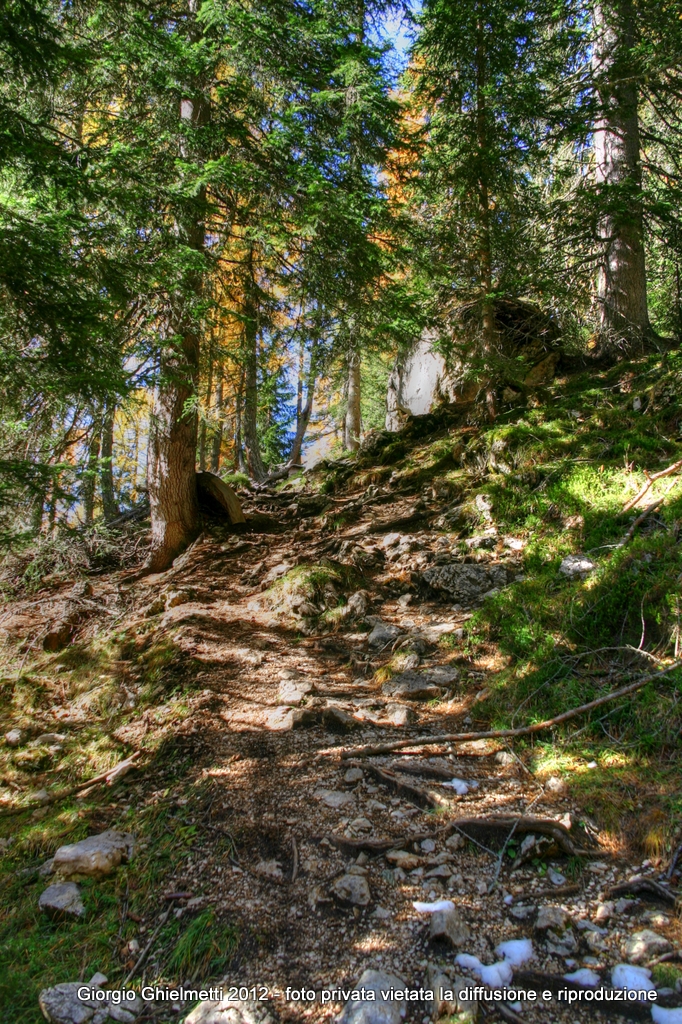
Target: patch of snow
(516, 951)
(433, 908)
(584, 977)
(632, 979)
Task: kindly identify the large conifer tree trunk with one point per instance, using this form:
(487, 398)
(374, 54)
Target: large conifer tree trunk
(250, 416)
(621, 276)
(173, 441)
(109, 506)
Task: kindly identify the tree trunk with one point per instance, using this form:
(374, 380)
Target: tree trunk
(90, 481)
(218, 431)
(250, 419)
(303, 411)
(621, 275)
(202, 429)
(239, 464)
(353, 424)
(172, 457)
(489, 328)
(109, 506)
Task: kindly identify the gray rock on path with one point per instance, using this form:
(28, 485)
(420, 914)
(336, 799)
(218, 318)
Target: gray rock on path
(377, 1010)
(382, 635)
(358, 604)
(285, 719)
(334, 798)
(61, 900)
(353, 889)
(644, 946)
(413, 686)
(577, 565)
(337, 720)
(293, 691)
(556, 927)
(13, 737)
(230, 1011)
(95, 856)
(354, 775)
(449, 928)
(443, 1006)
(61, 1005)
(399, 715)
(466, 583)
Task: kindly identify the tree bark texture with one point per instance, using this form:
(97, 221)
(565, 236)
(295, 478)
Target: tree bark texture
(90, 481)
(353, 424)
(254, 461)
(106, 476)
(217, 441)
(621, 275)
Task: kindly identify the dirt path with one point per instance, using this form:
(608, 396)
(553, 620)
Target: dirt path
(282, 836)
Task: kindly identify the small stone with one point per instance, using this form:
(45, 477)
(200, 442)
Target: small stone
(95, 856)
(377, 1010)
(405, 600)
(62, 900)
(576, 565)
(354, 775)
(448, 926)
(504, 758)
(399, 715)
(603, 913)
(441, 871)
(230, 1011)
(428, 845)
(521, 912)
(382, 914)
(382, 635)
(412, 686)
(358, 604)
(361, 825)
(645, 945)
(177, 597)
(556, 925)
(47, 739)
(455, 841)
(334, 798)
(555, 877)
(285, 719)
(353, 889)
(624, 906)
(555, 785)
(269, 869)
(403, 859)
(46, 869)
(13, 737)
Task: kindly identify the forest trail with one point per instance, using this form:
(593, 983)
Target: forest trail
(291, 867)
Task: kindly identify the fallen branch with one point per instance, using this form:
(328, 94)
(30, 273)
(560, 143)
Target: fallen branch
(638, 521)
(109, 776)
(651, 479)
(143, 955)
(493, 734)
(639, 886)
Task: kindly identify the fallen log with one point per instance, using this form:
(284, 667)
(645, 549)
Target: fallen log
(218, 495)
(493, 734)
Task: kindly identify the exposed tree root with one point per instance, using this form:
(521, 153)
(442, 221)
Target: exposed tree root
(639, 886)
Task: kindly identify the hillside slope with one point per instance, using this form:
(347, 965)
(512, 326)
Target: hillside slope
(412, 591)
